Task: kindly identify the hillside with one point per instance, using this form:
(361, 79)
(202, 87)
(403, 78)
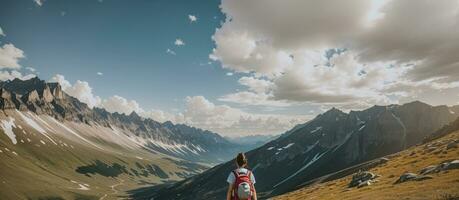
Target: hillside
(52, 146)
(441, 185)
(180, 141)
(330, 142)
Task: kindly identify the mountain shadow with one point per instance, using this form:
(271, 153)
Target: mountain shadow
(99, 167)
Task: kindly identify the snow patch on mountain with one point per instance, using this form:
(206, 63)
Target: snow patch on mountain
(314, 159)
(38, 118)
(81, 186)
(288, 146)
(35, 125)
(7, 126)
(316, 129)
(74, 133)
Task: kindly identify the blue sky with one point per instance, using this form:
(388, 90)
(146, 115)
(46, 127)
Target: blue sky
(262, 72)
(126, 42)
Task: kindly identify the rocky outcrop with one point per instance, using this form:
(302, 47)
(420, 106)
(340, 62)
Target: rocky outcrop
(411, 177)
(362, 179)
(440, 167)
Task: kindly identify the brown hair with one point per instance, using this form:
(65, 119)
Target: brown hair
(241, 160)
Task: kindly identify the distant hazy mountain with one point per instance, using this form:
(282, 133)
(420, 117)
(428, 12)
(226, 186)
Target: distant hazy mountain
(332, 141)
(52, 146)
(252, 140)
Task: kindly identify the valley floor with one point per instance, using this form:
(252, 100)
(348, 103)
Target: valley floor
(444, 185)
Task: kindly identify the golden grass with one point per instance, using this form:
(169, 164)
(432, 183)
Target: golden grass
(443, 185)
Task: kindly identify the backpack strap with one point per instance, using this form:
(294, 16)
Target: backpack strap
(236, 175)
(233, 192)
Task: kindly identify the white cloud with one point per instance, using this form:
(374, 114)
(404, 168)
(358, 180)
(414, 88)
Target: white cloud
(192, 18)
(227, 120)
(229, 73)
(1, 32)
(120, 105)
(100, 73)
(10, 56)
(31, 69)
(384, 42)
(179, 42)
(80, 90)
(293, 24)
(38, 2)
(162, 116)
(252, 98)
(84, 92)
(259, 93)
(256, 85)
(7, 75)
(169, 51)
(431, 40)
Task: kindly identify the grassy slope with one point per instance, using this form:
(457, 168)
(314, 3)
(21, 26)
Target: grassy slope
(443, 183)
(47, 171)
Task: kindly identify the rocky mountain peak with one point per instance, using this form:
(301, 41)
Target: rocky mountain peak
(134, 116)
(332, 113)
(417, 104)
(33, 94)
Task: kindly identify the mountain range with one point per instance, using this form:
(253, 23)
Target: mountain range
(330, 142)
(53, 146)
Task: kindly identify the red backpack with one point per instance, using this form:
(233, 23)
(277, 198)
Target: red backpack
(243, 187)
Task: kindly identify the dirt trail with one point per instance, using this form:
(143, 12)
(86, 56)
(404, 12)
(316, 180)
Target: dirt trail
(113, 188)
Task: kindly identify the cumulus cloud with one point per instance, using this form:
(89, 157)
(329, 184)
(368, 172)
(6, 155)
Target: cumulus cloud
(84, 92)
(179, 42)
(227, 120)
(100, 73)
(430, 40)
(31, 69)
(192, 18)
(10, 56)
(259, 93)
(162, 116)
(120, 105)
(375, 44)
(80, 90)
(10, 75)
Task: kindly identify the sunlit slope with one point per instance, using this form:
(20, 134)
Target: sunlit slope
(43, 158)
(442, 185)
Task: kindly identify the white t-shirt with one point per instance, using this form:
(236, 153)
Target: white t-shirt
(231, 178)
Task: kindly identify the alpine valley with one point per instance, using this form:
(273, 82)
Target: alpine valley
(52, 146)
